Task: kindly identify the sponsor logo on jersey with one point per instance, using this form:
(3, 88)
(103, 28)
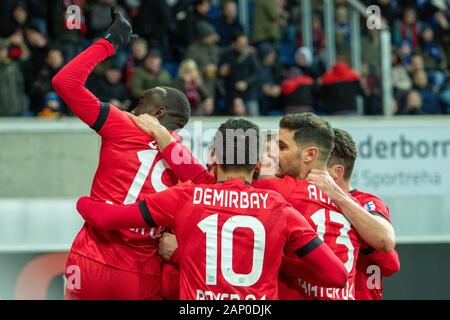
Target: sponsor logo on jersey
(370, 206)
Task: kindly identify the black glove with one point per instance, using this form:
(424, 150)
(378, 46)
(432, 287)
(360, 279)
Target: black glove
(119, 31)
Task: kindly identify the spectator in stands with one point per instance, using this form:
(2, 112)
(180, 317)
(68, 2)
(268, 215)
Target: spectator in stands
(18, 49)
(416, 64)
(70, 40)
(431, 51)
(139, 51)
(11, 84)
(271, 75)
(405, 52)
(318, 35)
(150, 75)
(442, 26)
(19, 52)
(408, 29)
(371, 47)
(371, 84)
(445, 97)
(37, 42)
(100, 16)
(414, 103)
(239, 68)
(52, 107)
(187, 22)
(305, 62)
(342, 30)
(108, 86)
(38, 12)
(298, 89)
(430, 99)
(153, 21)
(189, 81)
(266, 21)
(42, 86)
(339, 88)
(435, 60)
(228, 24)
(206, 54)
(401, 81)
(20, 17)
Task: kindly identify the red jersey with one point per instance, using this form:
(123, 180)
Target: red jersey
(130, 166)
(371, 264)
(231, 238)
(332, 227)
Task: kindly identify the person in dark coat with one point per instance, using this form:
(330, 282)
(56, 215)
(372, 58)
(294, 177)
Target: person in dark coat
(339, 88)
(239, 68)
(108, 87)
(228, 24)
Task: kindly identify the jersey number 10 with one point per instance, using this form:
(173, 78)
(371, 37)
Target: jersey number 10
(209, 226)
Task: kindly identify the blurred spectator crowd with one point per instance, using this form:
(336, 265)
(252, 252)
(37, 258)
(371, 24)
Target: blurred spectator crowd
(223, 67)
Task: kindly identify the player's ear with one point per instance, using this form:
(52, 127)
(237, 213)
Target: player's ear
(310, 154)
(336, 171)
(160, 112)
(340, 171)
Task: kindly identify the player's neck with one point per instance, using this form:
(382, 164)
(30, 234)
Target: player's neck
(348, 186)
(234, 174)
(345, 185)
(307, 169)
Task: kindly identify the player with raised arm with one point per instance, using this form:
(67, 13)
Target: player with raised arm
(371, 264)
(119, 264)
(231, 235)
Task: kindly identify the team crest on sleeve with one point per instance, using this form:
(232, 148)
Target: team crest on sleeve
(370, 206)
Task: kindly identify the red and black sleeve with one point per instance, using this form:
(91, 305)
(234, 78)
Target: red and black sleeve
(69, 84)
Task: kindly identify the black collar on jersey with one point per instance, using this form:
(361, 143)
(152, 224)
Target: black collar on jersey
(245, 181)
(353, 190)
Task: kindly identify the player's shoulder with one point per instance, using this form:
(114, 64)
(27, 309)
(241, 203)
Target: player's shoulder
(366, 197)
(372, 203)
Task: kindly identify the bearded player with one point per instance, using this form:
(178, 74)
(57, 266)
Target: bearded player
(371, 264)
(119, 264)
(231, 235)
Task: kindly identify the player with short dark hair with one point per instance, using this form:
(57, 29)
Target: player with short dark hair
(340, 166)
(119, 264)
(310, 130)
(231, 235)
(344, 153)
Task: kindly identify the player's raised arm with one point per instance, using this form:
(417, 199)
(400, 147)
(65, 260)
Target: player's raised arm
(319, 264)
(69, 82)
(179, 158)
(389, 262)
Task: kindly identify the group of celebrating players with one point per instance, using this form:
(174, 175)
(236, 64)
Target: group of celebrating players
(159, 225)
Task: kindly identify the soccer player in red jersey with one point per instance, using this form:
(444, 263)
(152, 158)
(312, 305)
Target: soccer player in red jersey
(119, 264)
(371, 264)
(231, 236)
(305, 143)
